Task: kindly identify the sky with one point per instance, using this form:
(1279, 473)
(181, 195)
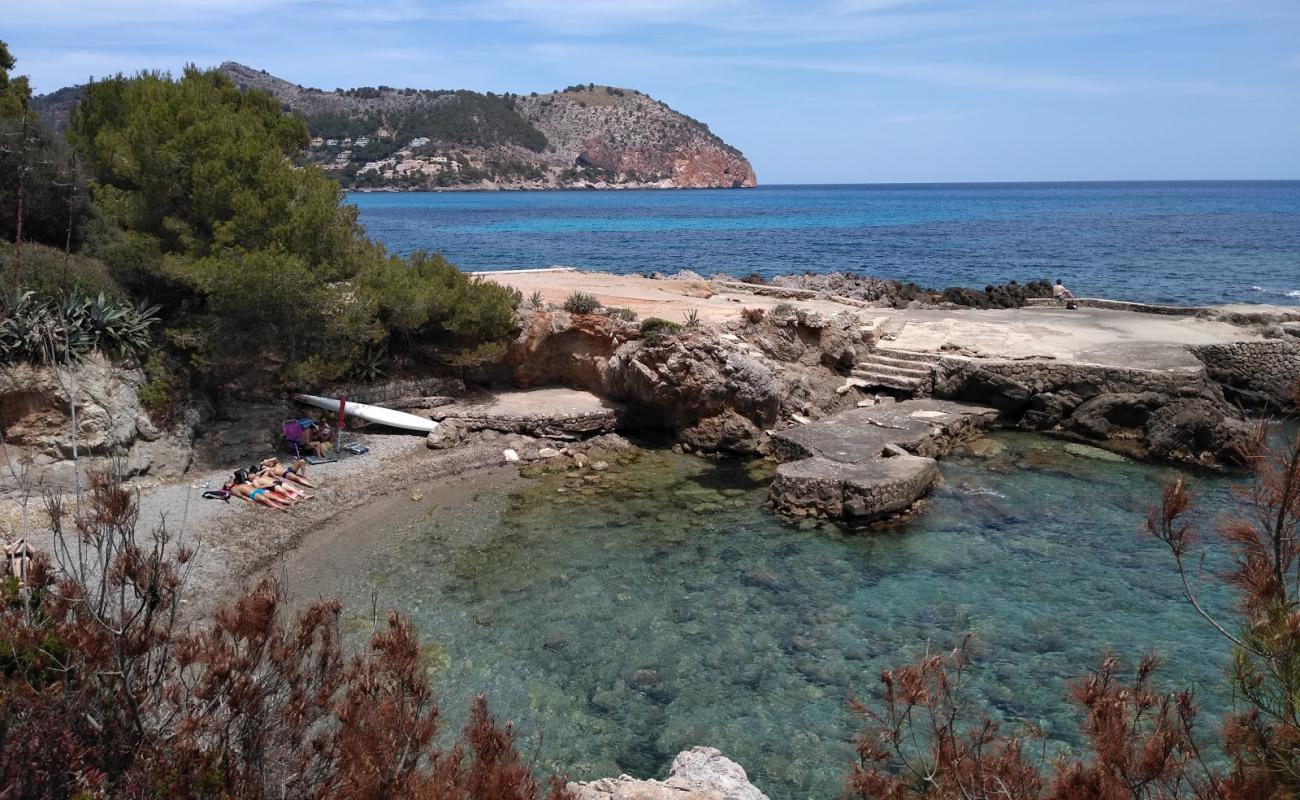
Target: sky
(820, 91)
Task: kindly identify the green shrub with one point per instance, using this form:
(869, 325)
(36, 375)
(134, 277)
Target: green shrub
(265, 278)
(49, 273)
(692, 317)
(626, 314)
(164, 391)
(581, 303)
(655, 329)
(536, 301)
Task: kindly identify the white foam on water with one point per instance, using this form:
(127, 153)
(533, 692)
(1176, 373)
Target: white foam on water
(1283, 292)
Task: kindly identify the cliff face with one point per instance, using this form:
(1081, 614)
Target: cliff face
(582, 137)
(630, 136)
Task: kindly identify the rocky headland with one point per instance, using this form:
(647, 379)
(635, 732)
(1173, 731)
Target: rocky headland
(583, 137)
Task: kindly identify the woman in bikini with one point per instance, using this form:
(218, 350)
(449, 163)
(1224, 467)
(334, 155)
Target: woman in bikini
(260, 497)
(296, 472)
(282, 489)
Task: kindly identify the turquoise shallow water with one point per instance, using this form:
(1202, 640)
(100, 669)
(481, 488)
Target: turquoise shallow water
(619, 624)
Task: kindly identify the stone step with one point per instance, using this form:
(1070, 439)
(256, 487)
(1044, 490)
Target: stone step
(929, 359)
(895, 366)
(875, 378)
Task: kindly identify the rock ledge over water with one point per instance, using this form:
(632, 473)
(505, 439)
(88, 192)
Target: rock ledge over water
(867, 463)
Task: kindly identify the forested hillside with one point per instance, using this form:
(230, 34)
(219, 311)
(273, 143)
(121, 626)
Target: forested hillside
(584, 136)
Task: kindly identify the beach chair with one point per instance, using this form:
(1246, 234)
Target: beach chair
(292, 430)
(293, 434)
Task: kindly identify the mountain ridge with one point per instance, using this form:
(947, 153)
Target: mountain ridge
(585, 136)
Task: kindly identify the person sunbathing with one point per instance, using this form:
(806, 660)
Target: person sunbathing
(296, 472)
(283, 489)
(260, 497)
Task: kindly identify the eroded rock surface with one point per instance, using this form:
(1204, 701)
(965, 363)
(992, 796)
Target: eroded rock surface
(111, 424)
(701, 773)
(868, 463)
(698, 384)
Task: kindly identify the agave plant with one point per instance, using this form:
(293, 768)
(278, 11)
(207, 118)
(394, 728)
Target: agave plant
(372, 365)
(40, 330)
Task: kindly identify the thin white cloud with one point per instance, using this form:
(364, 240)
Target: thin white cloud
(80, 13)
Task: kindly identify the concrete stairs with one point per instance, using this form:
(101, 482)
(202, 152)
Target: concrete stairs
(904, 371)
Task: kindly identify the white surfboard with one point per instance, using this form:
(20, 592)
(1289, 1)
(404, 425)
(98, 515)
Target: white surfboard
(375, 414)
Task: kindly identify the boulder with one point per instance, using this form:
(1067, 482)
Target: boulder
(449, 433)
(1196, 430)
(1108, 416)
(701, 773)
(727, 431)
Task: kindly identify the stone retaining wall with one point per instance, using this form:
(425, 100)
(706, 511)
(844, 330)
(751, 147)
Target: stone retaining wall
(1255, 374)
(1048, 376)
(389, 391)
(1122, 305)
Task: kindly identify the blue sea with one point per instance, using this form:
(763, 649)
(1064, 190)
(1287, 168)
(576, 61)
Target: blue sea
(1159, 242)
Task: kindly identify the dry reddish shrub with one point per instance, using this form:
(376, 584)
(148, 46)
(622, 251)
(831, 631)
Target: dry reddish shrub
(104, 694)
(1140, 742)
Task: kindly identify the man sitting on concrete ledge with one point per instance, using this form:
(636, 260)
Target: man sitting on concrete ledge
(1063, 294)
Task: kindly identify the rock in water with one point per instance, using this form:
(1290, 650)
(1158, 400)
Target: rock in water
(701, 773)
(1088, 451)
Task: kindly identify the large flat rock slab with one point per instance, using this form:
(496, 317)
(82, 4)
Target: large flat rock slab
(555, 413)
(869, 490)
(924, 427)
(868, 463)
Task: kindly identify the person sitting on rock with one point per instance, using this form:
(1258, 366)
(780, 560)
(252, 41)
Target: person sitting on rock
(1060, 292)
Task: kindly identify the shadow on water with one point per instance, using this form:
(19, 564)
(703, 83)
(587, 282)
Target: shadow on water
(664, 607)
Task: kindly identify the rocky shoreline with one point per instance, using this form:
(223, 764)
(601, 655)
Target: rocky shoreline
(748, 362)
(856, 398)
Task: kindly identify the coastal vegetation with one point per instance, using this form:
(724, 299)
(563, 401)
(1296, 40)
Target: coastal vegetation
(107, 694)
(188, 192)
(581, 303)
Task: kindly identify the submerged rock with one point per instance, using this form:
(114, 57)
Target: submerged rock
(1088, 451)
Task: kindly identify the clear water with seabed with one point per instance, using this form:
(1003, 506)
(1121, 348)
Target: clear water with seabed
(1183, 242)
(664, 608)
